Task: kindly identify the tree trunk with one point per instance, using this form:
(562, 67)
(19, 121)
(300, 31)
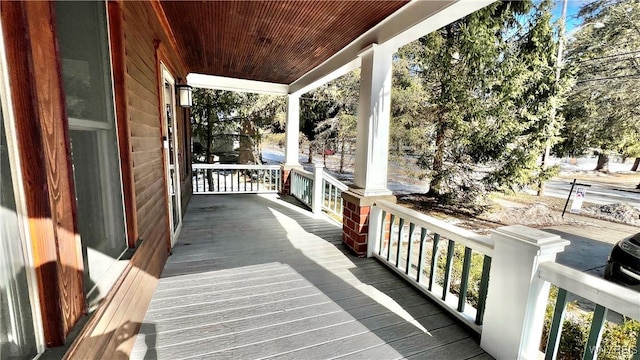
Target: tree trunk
(543, 166)
(324, 154)
(603, 163)
(246, 155)
(310, 158)
(438, 161)
(342, 148)
(208, 154)
(636, 164)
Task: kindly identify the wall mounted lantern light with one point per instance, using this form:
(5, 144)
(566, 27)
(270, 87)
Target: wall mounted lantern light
(185, 95)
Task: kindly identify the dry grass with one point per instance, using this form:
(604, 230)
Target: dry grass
(526, 199)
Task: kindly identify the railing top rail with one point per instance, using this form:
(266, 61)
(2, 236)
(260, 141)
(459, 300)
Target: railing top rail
(235, 167)
(482, 244)
(612, 296)
(303, 173)
(335, 182)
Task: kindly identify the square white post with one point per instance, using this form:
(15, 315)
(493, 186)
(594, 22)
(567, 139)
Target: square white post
(318, 188)
(374, 113)
(517, 297)
(292, 131)
(375, 231)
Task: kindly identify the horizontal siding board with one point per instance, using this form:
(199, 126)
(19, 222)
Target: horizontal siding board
(142, 130)
(152, 212)
(155, 237)
(143, 156)
(151, 167)
(145, 106)
(150, 95)
(146, 142)
(143, 72)
(141, 52)
(151, 185)
(149, 224)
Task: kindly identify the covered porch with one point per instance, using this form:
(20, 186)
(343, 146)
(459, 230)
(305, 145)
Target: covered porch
(255, 276)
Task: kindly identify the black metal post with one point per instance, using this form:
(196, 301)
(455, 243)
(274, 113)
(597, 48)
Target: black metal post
(568, 197)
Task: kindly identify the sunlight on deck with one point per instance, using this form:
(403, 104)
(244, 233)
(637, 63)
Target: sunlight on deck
(256, 277)
(293, 234)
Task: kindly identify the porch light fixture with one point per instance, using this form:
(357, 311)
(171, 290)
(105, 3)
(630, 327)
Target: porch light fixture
(184, 95)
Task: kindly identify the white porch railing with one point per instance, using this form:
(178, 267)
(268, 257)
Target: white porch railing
(606, 295)
(302, 182)
(514, 268)
(436, 257)
(242, 179)
(318, 190)
(332, 189)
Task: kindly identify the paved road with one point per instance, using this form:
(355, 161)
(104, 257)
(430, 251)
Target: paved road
(590, 244)
(597, 194)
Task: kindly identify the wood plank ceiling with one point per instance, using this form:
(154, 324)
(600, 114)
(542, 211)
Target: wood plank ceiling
(272, 41)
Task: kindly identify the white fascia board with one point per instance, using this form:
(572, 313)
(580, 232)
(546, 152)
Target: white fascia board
(416, 19)
(322, 74)
(232, 84)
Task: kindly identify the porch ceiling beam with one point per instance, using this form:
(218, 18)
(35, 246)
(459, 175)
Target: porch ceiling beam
(412, 21)
(231, 84)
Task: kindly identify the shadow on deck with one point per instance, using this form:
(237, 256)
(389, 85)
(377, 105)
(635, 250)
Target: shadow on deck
(256, 277)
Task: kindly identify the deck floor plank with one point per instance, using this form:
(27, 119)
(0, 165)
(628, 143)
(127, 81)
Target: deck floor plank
(254, 277)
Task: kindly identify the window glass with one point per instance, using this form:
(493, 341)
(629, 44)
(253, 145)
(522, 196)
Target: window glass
(86, 70)
(17, 334)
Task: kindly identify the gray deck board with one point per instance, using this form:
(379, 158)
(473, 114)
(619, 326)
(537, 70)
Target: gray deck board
(254, 277)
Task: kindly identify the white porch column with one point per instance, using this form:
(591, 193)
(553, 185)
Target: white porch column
(517, 297)
(318, 189)
(372, 141)
(292, 131)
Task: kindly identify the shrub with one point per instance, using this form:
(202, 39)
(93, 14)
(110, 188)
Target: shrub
(475, 272)
(618, 340)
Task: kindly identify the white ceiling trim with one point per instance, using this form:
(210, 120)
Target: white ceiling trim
(240, 85)
(416, 19)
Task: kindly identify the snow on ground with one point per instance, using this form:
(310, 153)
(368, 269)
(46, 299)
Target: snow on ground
(398, 183)
(532, 215)
(588, 163)
(536, 215)
(619, 212)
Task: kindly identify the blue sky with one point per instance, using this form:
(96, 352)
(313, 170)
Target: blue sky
(573, 6)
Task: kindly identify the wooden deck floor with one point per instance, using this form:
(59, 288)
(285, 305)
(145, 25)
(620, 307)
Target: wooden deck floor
(253, 277)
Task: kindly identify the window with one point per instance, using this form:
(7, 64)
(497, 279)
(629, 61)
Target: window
(86, 72)
(17, 331)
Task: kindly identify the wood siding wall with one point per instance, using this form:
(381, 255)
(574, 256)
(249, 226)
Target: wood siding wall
(139, 40)
(144, 43)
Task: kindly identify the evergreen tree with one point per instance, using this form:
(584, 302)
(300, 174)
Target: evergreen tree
(219, 118)
(329, 115)
(603, 112)
(490, 90)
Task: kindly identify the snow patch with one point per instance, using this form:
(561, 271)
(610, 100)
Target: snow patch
(620, 212)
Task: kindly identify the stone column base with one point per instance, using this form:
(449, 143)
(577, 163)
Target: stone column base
(355, 219)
